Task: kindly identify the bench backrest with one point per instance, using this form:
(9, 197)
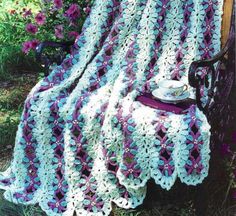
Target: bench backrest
(228, 4)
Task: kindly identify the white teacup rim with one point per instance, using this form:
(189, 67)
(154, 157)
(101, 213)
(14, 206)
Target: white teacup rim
(171, 82)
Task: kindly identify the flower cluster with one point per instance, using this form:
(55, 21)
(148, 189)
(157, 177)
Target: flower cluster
(28, 45)
(73, 12)
(54, 20)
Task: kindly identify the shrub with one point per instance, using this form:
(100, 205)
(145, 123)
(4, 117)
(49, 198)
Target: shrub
(24, 23)
(12, 34)
(55, 20)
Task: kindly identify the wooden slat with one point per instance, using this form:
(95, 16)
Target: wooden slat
(228, 4)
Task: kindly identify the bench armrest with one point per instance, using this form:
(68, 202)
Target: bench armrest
(47, 60)
(192, 75)
(220, 69)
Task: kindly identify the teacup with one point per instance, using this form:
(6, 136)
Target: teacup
(172, 88)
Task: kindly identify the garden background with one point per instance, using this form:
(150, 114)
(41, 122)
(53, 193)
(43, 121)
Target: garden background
(26, 23)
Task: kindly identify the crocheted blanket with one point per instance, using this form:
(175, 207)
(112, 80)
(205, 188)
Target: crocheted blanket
(84, 140)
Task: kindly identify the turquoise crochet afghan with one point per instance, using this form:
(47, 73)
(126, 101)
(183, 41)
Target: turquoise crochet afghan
(84, 141)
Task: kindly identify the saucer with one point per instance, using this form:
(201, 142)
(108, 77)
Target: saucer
(170, 99)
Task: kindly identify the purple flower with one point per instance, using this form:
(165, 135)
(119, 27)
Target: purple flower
(31, 28)
(225, 149)
(73, 34)
(34, 43)
(26, 47)
(40, 18)
(59, 31)
(73, 12)
(26, 13)
(58, 4)
(87, 9)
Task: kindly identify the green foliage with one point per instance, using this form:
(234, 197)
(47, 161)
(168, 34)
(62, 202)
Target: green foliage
(12, 98)
(8, 128)
(11, 209)
(13, 32)
(158, 209)
(12, 35)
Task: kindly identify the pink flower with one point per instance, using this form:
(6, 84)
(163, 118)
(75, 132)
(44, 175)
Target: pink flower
(87, 10)
(73, 12)
(58, 4)
(40, 18)
(34, 43)
(26, 13)
(26, 47)
(73, 34)
(31, 28)
(59, 31)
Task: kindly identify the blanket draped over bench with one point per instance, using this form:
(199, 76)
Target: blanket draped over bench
(84, 140)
